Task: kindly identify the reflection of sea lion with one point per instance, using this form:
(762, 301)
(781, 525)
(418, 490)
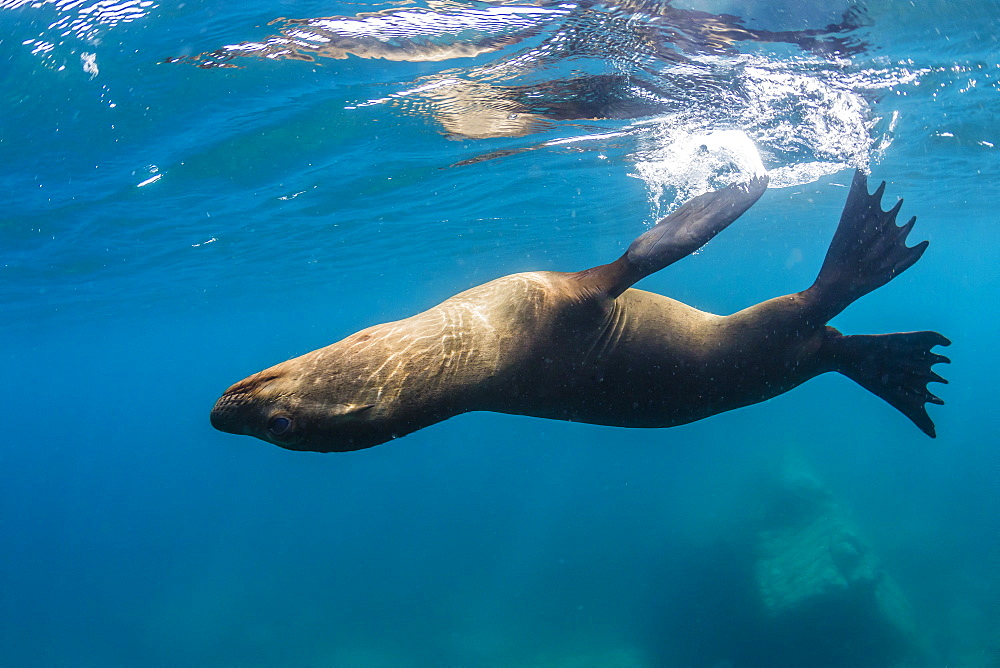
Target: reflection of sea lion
(587, 347)
(480, 110)
(436, 33)
(492, 100)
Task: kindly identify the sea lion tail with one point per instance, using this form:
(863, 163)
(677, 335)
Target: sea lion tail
(896, 367)
(868, 249)
(675, 236)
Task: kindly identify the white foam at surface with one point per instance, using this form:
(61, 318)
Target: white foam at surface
(692, 163)
(807, 120)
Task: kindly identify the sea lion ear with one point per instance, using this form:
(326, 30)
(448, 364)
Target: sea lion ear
(349, 411)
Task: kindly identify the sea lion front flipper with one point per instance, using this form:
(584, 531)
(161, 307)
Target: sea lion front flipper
(676, 236)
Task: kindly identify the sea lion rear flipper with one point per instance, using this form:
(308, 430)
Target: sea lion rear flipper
(868, 249)
(676, 236)
(896, 367)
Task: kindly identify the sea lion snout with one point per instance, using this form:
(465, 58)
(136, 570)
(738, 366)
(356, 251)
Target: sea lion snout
(240, 410)
(226, 415)
(279, 407)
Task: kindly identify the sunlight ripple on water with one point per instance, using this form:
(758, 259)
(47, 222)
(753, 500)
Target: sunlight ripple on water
(664, 77)
(641, 85)
(84, 20)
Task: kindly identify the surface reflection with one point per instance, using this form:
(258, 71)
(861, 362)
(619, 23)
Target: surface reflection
(658, 73)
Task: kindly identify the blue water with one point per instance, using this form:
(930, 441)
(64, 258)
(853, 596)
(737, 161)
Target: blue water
(168, 229)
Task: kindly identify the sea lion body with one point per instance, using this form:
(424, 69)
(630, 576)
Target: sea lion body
(640, 360)
(587, 347)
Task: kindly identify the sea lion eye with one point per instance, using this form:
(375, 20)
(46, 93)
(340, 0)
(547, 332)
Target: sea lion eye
(279, 425)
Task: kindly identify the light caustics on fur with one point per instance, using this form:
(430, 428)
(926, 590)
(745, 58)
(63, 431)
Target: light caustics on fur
(462, 337)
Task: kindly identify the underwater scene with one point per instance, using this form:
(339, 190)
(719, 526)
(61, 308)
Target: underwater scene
(554, 468)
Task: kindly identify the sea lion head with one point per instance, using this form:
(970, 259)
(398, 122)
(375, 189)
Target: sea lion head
(276, 406)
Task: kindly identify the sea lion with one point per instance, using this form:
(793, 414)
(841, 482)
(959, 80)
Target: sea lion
(588, 347)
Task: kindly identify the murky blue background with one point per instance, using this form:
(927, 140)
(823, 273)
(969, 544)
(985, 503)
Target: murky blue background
(289, 215)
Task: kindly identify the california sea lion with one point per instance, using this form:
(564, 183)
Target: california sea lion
(587, 347)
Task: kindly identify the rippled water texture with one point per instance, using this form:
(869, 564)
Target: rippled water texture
(676, 94)
(81, 19)
(666, 75)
